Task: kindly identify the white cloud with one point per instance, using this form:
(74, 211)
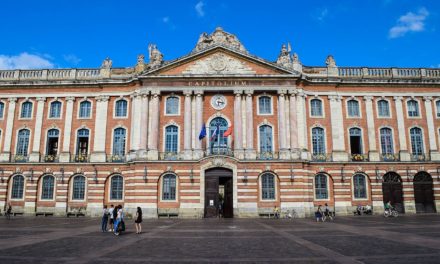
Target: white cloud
(71, 58)
(410, 22)
(166, 19)
(24, 61)
(322, 14)
(199, 9)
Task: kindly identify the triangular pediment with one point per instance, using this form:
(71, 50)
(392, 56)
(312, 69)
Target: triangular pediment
(219, 61)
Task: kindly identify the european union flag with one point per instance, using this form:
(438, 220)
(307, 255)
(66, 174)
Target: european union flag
(202, 132)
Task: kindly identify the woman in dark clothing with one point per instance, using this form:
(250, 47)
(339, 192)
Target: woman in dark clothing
(138, 220)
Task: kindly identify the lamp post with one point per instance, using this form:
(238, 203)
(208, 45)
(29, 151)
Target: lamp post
(62, 174)
(95, 176)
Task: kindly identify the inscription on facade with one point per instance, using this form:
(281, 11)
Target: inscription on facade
(217, 83)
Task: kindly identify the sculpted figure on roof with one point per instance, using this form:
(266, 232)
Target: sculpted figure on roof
(219, 37)
(155, 56)
(107, 63)
(284, 58)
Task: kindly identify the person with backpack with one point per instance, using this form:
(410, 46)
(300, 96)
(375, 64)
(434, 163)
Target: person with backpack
(138, 220)
(104, 219)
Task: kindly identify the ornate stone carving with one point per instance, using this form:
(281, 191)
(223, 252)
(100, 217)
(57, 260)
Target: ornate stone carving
(154, 55)
(330, 61)
(218, 161)
(140, 65)
(284, 58)
(107, 63)
(218, 37)
(219, 63)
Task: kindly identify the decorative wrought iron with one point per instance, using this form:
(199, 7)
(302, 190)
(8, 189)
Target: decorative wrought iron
(391, 176)
(422, 176)
(389, 157)
(378, 176)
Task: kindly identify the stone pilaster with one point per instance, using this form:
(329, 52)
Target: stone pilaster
(284, 151)
(404, 154)
(433, 150)
(143, 141)
(198, 151)
(8, 133)
(295, 151)
(35, 155)
(338, 132)
(98, 154)
(238, 128)
(135, 129)
(373, 154)
(187, 154)
(65, 154)
(153, 141)
(250, 151)
(302, 124)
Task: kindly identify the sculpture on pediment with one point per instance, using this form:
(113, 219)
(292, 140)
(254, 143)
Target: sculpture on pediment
(284, 58)
(219, 37)
(107, 63)
(140, 65)
(330, 61)
(155, 56)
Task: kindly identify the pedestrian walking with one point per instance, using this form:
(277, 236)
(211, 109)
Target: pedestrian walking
(318, 214)
(138, 220)
(104, 219)
(119, 222)
(111, 217)
(8, 211)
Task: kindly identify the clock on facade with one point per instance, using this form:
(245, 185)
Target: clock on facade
(218, 102)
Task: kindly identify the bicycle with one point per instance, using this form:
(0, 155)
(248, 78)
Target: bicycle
(391, 212)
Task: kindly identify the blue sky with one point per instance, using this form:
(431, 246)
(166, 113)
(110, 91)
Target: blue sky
(80, 34)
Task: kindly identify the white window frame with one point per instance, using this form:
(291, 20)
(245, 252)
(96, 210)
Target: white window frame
(328, 187)
(419, 108)
(311, 139)
(78, 109)
(359, 105)
(71, 188)
(275, 182)
(425, 150)
(4, 109)
(389, 106)
(114, 108)
(273, 136)
(172, 123)
(30, 140)
(49, 108)
(76, 140)
(110, 188)
(258, 104)
(366, 187)
(178, 105)
(11, 185)
(322, 106)
(392, 134)
(437, 113)
(363, 139)
(113, 137)
(161, 188)
(40, 189)
(21, 108)
(59, 139)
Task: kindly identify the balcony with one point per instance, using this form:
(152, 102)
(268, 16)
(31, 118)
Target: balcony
(359, 157)
(81, 158)
(389, 157)
(50, 158)
(116, 158)
(267, 155)
(419, 157)
(169, 155)
(322, 157)
(219, 150)
(19, 158)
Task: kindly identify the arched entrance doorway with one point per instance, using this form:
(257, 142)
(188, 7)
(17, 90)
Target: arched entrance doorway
(392, 190)
(423, 193)
(218, 191)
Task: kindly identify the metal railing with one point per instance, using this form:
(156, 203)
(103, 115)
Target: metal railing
(359, 157)
(169, 155)
(322, 157)
(220, 151)
(81, 158)
(19, 158)
(267, 155)
(390, 157)
(50, 158)
(419, 157)
(116, 158)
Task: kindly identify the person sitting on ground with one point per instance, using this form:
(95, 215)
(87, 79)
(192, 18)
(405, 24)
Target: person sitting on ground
(318, 214)
(276, 212)
(327, 212)
(358, 210)
(367, 209)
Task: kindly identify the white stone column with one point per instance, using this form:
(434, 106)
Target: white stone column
(238, 129)
(65, 153)
(301, 116)
(401, 129)
(98, 154)
(373, 154)
(295, 152)
(5, 156)
(143, 145)
(187, 155)
(433, 150)
(198, 152)
(338, 131)
(284, 152)
(135, 129)
(250, 151)
(153, 141)
(35, 155)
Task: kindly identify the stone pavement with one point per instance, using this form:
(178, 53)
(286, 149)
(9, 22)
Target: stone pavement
(362, 239)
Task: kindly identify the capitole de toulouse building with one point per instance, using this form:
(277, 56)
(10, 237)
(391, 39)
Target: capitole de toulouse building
(277, 134)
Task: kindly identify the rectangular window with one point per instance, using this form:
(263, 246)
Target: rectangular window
(264, 105)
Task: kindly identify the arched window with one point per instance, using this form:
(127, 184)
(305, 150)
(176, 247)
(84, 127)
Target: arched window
(172, 105)
(79, 187)
(55, 110)
(171, 138)
(23, 142)
(121, 108)
(383, 108)
(119, 136)
(353, 108)
(413, 108)
(437, 106)
(386, 140)
(169, 187)
(416, 141)
(266, 139)
(47, 188)
(2, 109)
(268, 186)
(321, 188)
(316, 107)
(85, 108)
(264, 105)
(318, 144)
(360, 186)
(17, 187)
(26, 110)
(116, 187)
(218, 141)
(356, 140)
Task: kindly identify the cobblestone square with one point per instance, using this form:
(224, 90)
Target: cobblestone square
(365, 239)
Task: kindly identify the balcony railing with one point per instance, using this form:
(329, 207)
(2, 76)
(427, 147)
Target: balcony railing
(220, 151)
(116, 158)
(50, 158)
(359, 157)
(390, 157)
(267, 155)
(169, 156)
(81, 158)
(419, 157)
(322, 157)
(19, 158)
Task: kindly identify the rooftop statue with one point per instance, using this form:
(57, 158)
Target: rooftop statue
(284, 58)
(155, 56)
(107, 63)
(140, 65)
(219, 36)
(330, 61)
